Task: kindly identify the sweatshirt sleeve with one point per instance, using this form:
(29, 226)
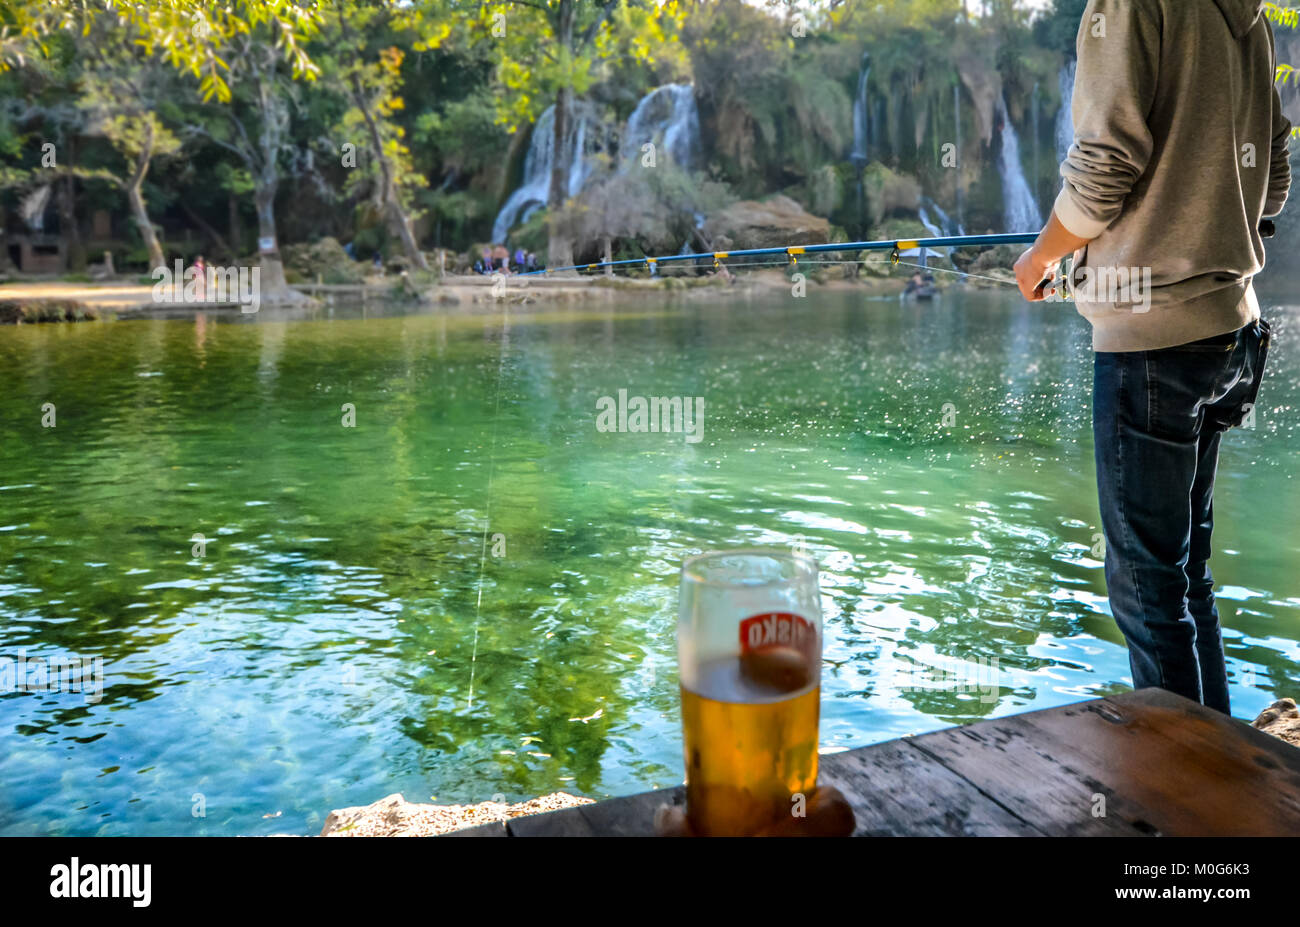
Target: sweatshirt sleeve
(1119, 58)
(1279, 165)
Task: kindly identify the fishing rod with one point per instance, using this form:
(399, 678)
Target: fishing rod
(895, 246)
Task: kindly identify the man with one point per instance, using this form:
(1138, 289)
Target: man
(1180, 150)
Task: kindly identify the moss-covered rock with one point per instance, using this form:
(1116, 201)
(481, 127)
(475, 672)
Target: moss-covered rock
(21, 311)
(325, 258)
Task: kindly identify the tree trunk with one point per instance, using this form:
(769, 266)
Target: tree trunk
(402, 222)
(609, 256)
(68, 222)
(6, 265)
(398, 220)
(135, 197)
(234, 232)
(275, 289)
(559, 248)
(144, 226)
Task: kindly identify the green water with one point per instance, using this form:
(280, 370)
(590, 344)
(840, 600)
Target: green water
(349, 632)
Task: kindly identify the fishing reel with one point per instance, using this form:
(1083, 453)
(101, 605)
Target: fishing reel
(1059, 283)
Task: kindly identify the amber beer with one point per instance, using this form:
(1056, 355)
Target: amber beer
(749, 641)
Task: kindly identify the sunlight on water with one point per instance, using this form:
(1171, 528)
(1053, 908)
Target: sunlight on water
(937, 461)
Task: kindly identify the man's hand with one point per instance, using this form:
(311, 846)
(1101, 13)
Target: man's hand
(829, 815)
(1031, 270)
(1055, 241)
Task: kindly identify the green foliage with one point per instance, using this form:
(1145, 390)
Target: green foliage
(188, 34)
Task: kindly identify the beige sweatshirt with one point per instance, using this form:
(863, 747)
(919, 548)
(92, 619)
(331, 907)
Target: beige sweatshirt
(1180, 148)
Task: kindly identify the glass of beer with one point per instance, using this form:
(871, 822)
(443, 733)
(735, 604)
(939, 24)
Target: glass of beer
(749, 643)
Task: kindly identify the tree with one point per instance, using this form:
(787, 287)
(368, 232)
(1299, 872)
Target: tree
(553, 50)
(123, 87)
(1289, 17)
(187, 33)
(254, 124)
(370, 80)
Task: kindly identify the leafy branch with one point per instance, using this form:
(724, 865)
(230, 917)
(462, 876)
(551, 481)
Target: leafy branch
(1288, 16)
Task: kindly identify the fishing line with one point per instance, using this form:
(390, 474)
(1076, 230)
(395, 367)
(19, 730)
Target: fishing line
(600, 271)
(487, 508)
(960, 273)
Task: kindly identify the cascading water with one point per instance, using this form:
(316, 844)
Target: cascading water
(937, 222)
(1064, 119)
(1020, 212)
(668, 113)
(956, 122)
(861, 117)
(536, 187)
(1034, 134)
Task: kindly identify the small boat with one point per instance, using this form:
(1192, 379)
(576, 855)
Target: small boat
(921, 288)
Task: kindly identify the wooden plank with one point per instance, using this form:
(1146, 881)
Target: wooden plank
(628, 816)
(1162, 764)
(1005, 759)
(897, 790)
(632, 815)
(1191, 770)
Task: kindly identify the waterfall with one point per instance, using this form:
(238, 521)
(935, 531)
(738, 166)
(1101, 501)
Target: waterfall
(1034, 173)
(1064, 119)
(956, 122)
(1020, 212)
(861, 117)
(937, 222)
(536, 187)
(668, 113)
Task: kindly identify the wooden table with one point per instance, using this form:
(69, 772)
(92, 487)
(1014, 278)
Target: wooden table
(1141, 763)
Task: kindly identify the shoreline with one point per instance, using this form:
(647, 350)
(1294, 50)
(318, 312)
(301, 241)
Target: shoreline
(38, 301)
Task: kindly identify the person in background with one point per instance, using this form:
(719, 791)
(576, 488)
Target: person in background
(200, 277)
(378, 263)
(1180, 150)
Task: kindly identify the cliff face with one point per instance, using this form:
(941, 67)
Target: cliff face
(773, 223)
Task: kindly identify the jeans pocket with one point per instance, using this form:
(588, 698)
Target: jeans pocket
(1215, 344)
(1261, 335)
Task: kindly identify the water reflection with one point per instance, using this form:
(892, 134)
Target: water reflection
(319, 653)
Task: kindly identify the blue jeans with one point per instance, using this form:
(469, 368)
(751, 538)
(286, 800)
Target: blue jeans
(1158, 417)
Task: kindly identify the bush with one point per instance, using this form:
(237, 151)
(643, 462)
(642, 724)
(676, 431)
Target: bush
(303, 263)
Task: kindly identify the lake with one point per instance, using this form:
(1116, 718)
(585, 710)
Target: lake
(424, 569)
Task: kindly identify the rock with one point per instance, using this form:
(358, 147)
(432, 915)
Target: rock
(394, 816)
(325, 258)
(1282, 720)
(19, 311)
(775, 222)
